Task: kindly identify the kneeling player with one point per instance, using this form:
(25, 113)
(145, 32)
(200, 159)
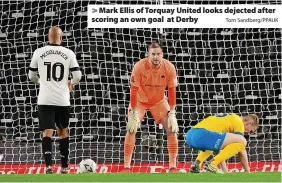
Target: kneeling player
(223, 132)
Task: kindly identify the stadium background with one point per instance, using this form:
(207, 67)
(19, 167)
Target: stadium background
(219, 70)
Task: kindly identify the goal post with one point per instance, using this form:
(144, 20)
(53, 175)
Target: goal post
(219, 71)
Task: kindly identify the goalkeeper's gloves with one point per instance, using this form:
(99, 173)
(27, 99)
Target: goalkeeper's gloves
(133, 123)
(172, 121)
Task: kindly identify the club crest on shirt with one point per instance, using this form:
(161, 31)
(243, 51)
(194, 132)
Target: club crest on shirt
(132, 79)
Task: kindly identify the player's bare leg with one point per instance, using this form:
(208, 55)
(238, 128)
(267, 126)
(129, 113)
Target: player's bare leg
(64, 149)
(47, 149)
(172, 145)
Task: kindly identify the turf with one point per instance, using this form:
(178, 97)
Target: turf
(179, 177)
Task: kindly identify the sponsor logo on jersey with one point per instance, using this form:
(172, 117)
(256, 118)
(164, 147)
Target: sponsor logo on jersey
(217, 143)
(155, 86)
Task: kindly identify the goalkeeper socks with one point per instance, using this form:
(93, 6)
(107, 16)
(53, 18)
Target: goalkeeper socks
(129, 145)
(229, 151)
(172, 146)
(203, 156)
(64, 150)
(47, 150)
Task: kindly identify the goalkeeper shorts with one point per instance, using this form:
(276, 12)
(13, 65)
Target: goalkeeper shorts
(203, 139)
(158, 111)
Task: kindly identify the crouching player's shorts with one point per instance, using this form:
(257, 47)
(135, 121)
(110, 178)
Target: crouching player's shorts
(203, 139)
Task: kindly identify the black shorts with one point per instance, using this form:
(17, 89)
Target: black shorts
(49, 115)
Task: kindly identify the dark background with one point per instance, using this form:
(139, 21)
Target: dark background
(219, 70)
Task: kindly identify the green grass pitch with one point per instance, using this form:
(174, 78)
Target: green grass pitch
(145, 177)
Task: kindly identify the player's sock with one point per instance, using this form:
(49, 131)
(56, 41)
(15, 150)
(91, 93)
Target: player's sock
(129, 145)
(197, 163)
(64, 150)
(229, 151)
(172, 146)
(47, 150)
(203, 156)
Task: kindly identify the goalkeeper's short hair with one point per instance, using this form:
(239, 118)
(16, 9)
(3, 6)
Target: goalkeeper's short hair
(154, 44)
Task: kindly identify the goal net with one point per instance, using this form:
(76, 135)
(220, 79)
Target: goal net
(219, 71)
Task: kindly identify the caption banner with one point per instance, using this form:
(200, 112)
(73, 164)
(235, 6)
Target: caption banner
(184, 16)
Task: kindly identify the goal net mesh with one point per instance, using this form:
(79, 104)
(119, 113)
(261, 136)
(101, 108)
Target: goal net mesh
(219, 70)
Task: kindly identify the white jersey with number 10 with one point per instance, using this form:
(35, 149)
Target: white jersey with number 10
(54, 63)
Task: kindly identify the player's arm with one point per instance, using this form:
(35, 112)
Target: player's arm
(74, 69)
(172, 98)
(172, 84)
(133, 120)
(133, 97)
(223, 167)
(33, 68)
(243, 156)
(134, 86)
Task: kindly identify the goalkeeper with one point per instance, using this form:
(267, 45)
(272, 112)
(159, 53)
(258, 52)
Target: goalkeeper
(223, 132)
(149, 79)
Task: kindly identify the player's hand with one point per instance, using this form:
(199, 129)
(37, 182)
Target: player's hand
(71, 86)
(133, 123)
(172, 121)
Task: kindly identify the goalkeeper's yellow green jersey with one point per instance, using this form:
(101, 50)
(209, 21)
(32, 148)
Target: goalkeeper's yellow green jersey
(224, 122)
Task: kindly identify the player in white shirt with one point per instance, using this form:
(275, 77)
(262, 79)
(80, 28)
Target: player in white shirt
(54, 64)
